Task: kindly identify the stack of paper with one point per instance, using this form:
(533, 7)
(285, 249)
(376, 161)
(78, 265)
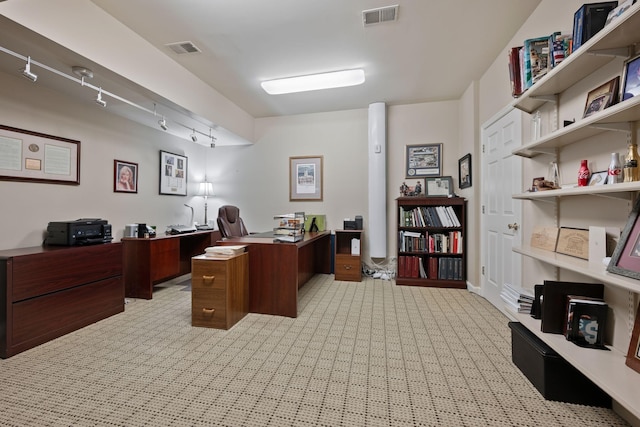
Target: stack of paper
(518, 299)
(224, 251)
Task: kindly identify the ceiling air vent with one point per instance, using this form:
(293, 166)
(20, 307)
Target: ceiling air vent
(379, 15)
(183, 47)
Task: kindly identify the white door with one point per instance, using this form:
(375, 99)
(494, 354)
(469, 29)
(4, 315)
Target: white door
(501, 215)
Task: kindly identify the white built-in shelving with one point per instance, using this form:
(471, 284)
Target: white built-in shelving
(607, 369)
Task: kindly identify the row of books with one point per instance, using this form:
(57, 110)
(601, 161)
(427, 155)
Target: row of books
(415, 241)
(442, 268)
(535, 58)
(518, 299)
(429, 216)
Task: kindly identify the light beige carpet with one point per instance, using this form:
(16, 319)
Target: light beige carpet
(359, 354)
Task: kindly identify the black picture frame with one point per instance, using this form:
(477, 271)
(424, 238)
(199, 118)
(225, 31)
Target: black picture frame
(464, 171)
(125, 177)
(625, 260)
(173, 174)
(423, 160)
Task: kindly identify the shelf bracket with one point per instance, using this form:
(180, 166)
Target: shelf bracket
(546, 98)
(623, 52)
(620, 127)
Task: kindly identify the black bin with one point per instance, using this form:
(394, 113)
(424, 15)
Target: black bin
(553, 376)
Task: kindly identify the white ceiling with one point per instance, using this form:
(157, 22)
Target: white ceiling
(432, 52)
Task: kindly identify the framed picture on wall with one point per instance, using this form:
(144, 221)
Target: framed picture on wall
(305, 178)
(464, 171)
(173, 174)
(31, 156)
(125, 177)
(423, 160)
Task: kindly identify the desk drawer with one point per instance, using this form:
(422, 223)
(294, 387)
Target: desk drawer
(208, 274)
(209, 308)
(347, 267)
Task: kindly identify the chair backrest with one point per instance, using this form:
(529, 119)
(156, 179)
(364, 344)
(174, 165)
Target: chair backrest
(230, 223)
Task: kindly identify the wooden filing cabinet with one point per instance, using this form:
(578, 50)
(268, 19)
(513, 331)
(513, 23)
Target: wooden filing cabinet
(49, 291)
(347, 265)
(219, 290)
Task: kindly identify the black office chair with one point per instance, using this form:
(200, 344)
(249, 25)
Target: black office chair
(230, 223)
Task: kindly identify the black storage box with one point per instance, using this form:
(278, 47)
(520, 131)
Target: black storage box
(553, 376)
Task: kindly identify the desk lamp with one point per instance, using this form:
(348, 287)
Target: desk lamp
(205, 190)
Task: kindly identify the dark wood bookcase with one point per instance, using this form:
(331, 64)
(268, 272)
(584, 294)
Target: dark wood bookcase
(431, 242)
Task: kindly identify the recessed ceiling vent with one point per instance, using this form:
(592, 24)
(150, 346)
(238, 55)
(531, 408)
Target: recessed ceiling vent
(183, 47)
(380, 15)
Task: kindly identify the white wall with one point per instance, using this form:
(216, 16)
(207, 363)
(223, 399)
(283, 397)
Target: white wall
(28, 207)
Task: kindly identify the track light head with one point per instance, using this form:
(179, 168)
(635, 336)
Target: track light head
(194, 137)
(101, 102)
(26, 71)
(163, 124)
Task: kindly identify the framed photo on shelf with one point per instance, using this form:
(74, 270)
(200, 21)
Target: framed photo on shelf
(36, 157)
(305, 178)
(602, 97)
(598, 178)
(438, 187)
(125, 177)
(625, 260)
(173, 174)
(464, 171)
(633, 355)
(631, 85)
(423, 160)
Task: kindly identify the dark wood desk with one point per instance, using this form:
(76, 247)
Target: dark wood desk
(153, 260)
(277, 270)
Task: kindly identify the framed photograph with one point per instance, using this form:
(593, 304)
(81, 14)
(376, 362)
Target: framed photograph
(438, 187)
(631, 85)
(37, 157)
(125, 177)
(173, 174)
(633, 355)
(423, 160)
(305, 178)
(602, 97)
(598, 178)
(464, 171)
(625, 260)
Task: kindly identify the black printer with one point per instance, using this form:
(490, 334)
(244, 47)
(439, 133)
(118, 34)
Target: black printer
(84, 231)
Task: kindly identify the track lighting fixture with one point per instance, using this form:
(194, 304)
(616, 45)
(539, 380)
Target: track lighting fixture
(101, 102)
(194, 137)
(27, 71)
(163, 124)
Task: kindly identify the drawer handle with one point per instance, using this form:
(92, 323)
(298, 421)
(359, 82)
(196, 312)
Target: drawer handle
(208, 311)
(347, 267)
(208, 280)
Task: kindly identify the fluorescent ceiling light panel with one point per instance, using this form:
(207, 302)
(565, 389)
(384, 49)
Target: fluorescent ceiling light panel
(314, 82)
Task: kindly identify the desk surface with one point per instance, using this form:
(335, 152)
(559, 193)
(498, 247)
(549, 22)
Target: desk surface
(278, 269)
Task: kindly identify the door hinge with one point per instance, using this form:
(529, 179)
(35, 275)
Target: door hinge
(483, 270)
(482, 208)
(482, 148)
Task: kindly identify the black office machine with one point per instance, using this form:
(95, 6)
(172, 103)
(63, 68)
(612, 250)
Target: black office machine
(84, 231)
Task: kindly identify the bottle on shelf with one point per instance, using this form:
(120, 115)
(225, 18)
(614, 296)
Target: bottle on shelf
(614, 173)
(583, 174)
(631, 171)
